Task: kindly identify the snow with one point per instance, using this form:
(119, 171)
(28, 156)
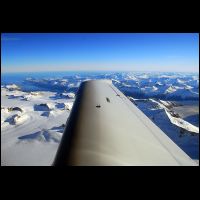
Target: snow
(144, 76)
(31, 137)
(176, 120)
(155, 109)
(187, 87)
(12, 87)
(172, 86)
(171, 89)
(69, 94)
(180, 81)
(182, 123)
(68, 105)
(126, 85)
(115, 81)
(38, 128)
(155, 88)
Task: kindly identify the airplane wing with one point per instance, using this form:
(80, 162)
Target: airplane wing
(105, 128)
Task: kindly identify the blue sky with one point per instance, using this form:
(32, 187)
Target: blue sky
(102, 51)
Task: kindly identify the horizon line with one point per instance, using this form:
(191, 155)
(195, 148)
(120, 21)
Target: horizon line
(3, 72)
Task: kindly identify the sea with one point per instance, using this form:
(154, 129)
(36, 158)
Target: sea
(19, 78)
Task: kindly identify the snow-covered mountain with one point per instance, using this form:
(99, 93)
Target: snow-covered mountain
(171, 118)
(34, 111)
(169, 86)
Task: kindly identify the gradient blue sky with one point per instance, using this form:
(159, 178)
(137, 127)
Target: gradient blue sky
(102, 51)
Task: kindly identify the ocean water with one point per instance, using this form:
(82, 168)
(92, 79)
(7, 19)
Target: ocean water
(19, 78)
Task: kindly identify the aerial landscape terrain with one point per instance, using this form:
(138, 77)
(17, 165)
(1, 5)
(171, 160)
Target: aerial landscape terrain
(157, 74)
(35, 108)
